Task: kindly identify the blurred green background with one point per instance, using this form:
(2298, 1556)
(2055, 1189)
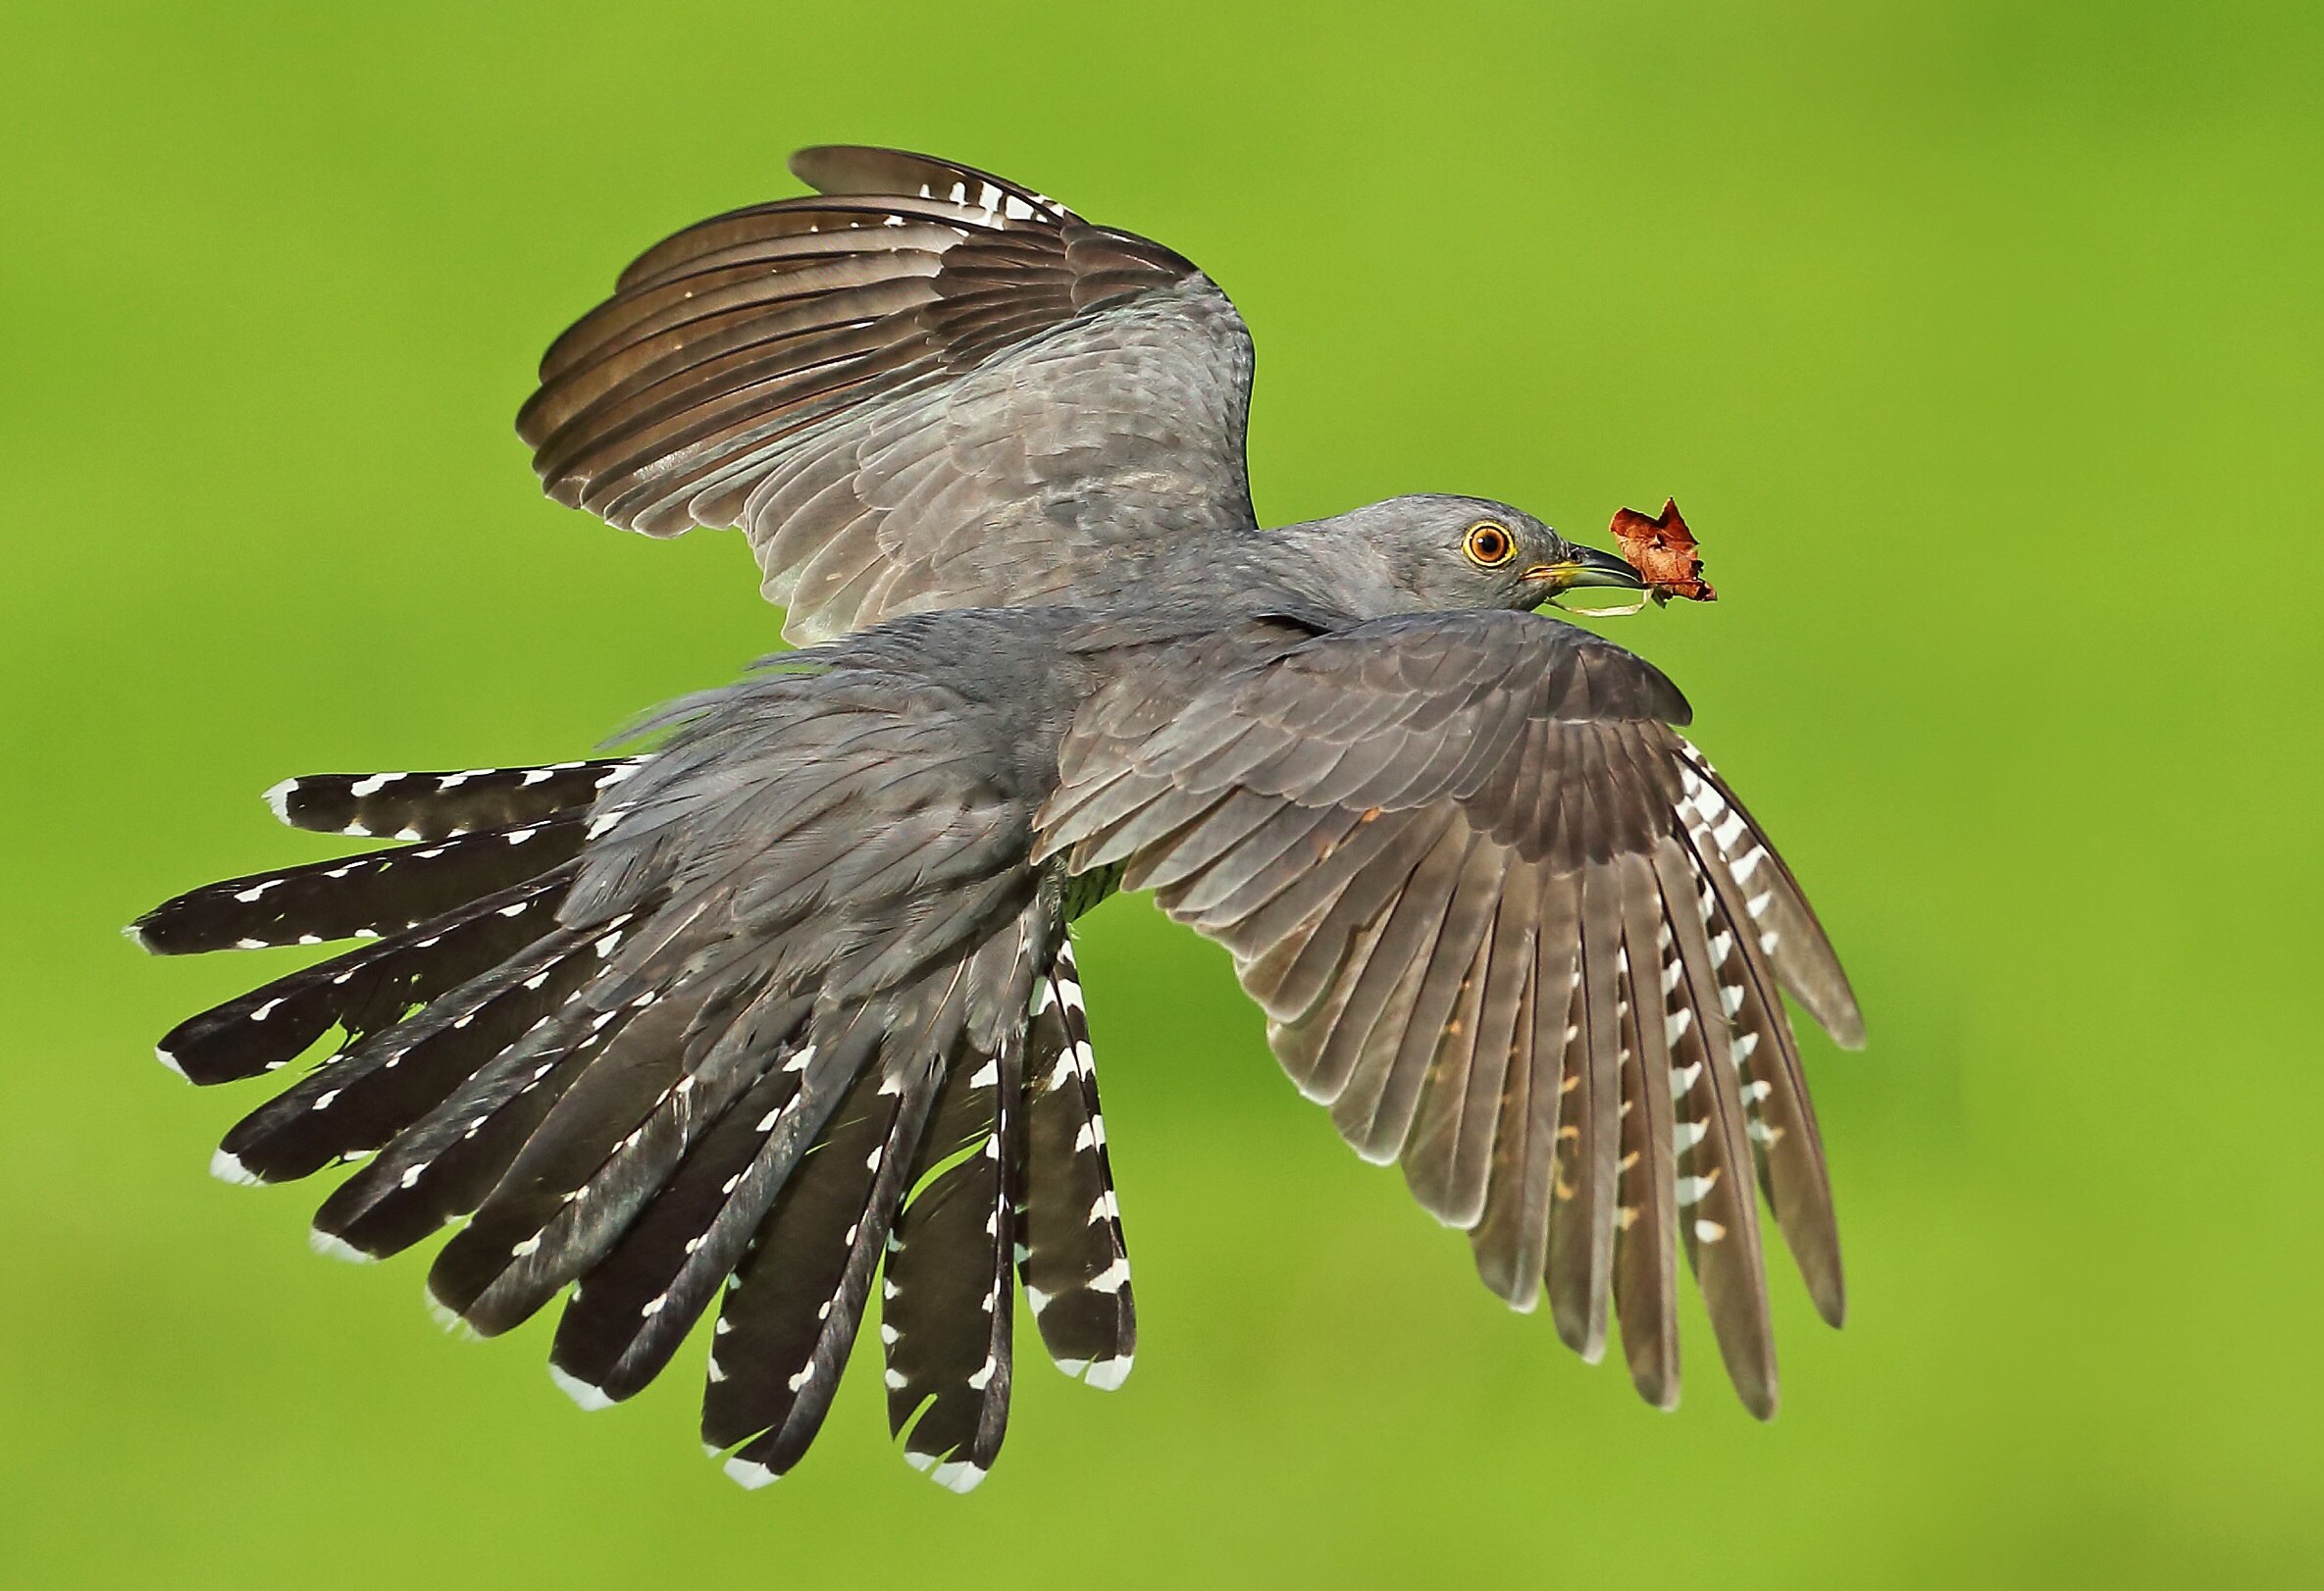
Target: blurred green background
(1981, 342)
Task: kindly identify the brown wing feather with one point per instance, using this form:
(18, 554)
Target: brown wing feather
(924, 387)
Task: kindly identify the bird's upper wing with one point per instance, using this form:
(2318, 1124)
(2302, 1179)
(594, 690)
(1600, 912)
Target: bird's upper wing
(926, 388)
(1515, 932)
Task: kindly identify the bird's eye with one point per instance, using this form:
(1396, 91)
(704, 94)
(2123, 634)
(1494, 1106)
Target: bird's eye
(1488, 545)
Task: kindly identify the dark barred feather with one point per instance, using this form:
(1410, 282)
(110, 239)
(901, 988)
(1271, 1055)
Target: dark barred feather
(364, 990)
(618, 1332)
(435, 806)
(1076, 1268)
(384, 893)
(797, 1302)
(946, 1300)
(602, 1153)
(357, 1099)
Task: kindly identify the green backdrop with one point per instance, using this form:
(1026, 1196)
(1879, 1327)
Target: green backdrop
(1980, 341)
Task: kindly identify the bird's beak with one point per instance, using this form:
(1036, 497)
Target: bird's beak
(1587, 567)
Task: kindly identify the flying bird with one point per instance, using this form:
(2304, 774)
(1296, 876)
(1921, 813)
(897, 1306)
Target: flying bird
(782, 1004)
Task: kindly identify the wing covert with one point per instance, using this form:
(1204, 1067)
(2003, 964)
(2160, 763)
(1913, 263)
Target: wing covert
(923, 387)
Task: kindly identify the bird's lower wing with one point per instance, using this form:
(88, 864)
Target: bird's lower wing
(1511, 929)
(924, 387)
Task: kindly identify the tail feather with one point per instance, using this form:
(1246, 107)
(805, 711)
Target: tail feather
(448, 1163)
(605, 1147)
(648, 1054)
(382, 893)
(435, 806)
(798, 1300)
(364, 990)
(1077, 1268)
(620, 1328)
(947, 1302)
(360, 1098)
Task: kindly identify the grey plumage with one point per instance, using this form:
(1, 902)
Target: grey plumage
(786, 1001)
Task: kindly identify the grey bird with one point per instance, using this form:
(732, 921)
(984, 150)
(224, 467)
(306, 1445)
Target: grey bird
(786, 1001)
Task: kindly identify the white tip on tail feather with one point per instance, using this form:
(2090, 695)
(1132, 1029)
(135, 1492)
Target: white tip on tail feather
(446, 1316)
(958, 1476)
(227, 1168)
(581, 1391)
(330, 1245)
(750, 1474)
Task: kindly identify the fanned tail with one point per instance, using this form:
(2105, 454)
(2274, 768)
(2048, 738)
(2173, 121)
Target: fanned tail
(637, 1042)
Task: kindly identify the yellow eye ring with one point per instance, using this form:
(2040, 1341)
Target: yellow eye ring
(1488, 545)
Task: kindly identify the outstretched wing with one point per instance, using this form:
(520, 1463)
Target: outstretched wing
(1515, 931)
(926, 388)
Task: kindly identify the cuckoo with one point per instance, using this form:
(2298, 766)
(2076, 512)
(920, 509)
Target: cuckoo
(781, 1002)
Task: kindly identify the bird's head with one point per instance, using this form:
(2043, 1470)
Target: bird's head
(1443, 553)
